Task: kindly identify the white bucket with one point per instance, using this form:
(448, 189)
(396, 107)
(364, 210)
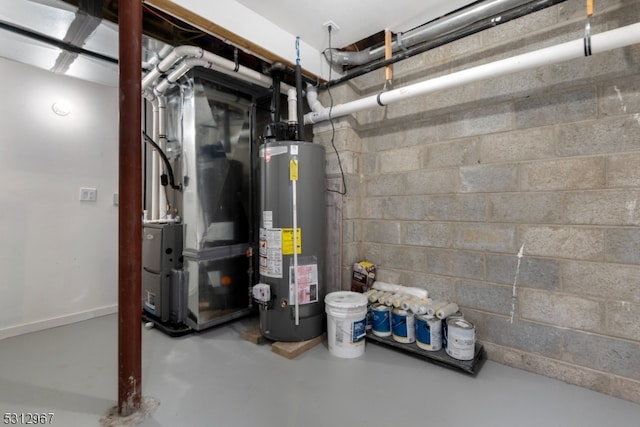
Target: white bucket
(346, 323)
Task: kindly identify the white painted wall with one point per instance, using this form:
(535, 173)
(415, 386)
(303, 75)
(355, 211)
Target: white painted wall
(58, 256)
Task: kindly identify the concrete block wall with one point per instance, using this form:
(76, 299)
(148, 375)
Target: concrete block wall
(443, 190)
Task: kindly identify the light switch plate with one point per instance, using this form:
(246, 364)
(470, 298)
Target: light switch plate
(88, 194)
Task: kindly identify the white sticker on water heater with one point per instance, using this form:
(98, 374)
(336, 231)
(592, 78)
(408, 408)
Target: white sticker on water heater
(307, 283)
(271, 252)
(267, 219)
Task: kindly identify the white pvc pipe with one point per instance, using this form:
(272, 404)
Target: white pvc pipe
(175, 220)
(620, 37)
(155, 163)
(225, 66)
(312, 99)
(169, 61)
(292, 102)
(162, 142)
(179, 70)
(186, 57)
(155, 175)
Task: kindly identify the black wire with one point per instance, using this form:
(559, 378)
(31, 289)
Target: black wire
(333, 129)
(166, 161)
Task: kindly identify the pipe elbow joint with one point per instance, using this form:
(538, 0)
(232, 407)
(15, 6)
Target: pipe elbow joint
(312, 99)
(342, 58)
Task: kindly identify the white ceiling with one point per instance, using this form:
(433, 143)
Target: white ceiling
(270, 24)
(356, 19)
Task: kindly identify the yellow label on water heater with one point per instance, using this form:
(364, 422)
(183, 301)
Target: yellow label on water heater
(293, 169)
(287, 241)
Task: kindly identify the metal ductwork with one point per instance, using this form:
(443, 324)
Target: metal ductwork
(439, 28)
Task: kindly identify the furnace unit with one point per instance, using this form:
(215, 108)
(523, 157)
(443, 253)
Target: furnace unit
(210, 142)
(163, 290)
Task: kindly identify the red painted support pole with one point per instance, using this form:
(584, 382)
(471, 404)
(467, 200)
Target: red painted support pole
(130, 208)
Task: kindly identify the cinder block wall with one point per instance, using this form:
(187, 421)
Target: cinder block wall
(443, 190)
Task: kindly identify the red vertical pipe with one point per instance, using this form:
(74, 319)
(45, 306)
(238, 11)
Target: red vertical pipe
(130, 207)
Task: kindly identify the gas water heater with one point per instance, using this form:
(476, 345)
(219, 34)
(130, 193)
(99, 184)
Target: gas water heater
(292, 243)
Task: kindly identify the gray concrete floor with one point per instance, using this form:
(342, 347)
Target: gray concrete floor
(215, 378)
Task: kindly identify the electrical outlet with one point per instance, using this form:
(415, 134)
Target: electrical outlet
(88, 194)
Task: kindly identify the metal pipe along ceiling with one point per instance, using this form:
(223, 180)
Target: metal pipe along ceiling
(621, 37)
(466, 29)
(435, 29)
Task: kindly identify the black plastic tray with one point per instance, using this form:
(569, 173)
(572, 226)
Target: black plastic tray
(439, 357)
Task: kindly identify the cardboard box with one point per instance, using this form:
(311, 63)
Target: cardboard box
(363, 276)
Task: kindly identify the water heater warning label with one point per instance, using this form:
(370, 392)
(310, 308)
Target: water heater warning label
(307, 283)
(287, 241)
(271, 252)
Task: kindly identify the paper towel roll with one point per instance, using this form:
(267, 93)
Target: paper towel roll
(434, 306)
(416, 292)
(406, 304)
(369, 293)
(388, 301)
(382, 298)
(420, 305)
(400, 289)
(397, 301)
(374, 296)
(447, 310)
(392, 299)
(387, 287)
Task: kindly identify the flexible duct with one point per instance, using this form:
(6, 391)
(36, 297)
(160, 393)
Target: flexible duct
(613, 39)
(438, 28)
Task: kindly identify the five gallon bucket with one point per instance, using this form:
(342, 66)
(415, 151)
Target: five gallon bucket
(346, 323)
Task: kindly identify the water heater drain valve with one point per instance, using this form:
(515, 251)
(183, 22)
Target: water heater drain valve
(262, 293)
